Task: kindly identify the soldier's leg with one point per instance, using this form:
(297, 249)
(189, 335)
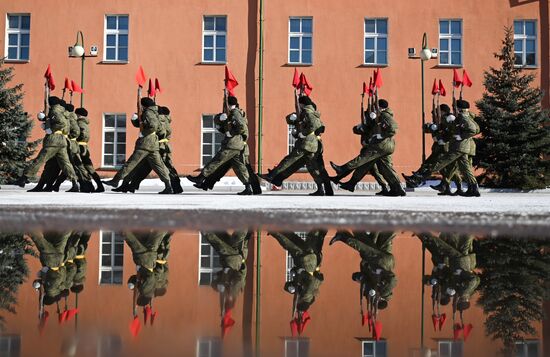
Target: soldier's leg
(240, 169)
(49, 175)
(217, 175)
(45, 154)
(221, 157)
(254, 180)
(138, 174)
(159, 168)
(296, 155)
(278, 178)
(466, 169)
(173, 173)
(438, 246)
(365, 157)
(220, 245)
(152, 240)
(323, 177)
(65, 165)
(386, 170)
(385, 241)
(289, 241)
(136, 157)
(135, 244)
(89, 166)
(315, 240)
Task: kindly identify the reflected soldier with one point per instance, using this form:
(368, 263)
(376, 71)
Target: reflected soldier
(230, 281)
(305, 277)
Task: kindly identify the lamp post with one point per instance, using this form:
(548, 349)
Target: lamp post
(78, 50)
(425, 55)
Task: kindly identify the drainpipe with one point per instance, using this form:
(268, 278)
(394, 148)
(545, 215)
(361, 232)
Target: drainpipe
(261, 87)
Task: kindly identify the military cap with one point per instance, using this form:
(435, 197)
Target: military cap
(147, 102)
(305, 100)
(462, 104)
(82, 112)
(231, 100)
(69, 107)
(382, 103)
(53, 100)
(445, 108)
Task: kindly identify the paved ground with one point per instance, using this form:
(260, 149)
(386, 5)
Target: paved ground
(493, 213)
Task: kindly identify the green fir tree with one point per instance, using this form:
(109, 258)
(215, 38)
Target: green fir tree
(15, 128)
(515, 144)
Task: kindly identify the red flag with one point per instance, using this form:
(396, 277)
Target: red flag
(227, 322)
(146, 314)
(456, 79)
(51, 82)
(466, 79)
(365, 89)
(457, 329)
(140, 77)
(157, 85)
(442, 320)
(68, 84)
(151, 89)
(48, 73)
(378, 80)
(71, 313)
(135, 326)
(435, 321)
(296, 79)
(153, 317)
(364, 319)
(377, 331)
(230, 81)
(371, 87)
(442, 92)
(467, 329)
(303, 323)
(76, 87)
(304, 84)
(435, 88)
(294, 328)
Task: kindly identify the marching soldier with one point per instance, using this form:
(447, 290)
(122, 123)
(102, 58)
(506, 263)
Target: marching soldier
(235, 127)
(82, 141)
(307, 150)
(54, 145)
(147, 147)
(463, 128)
(379, 151)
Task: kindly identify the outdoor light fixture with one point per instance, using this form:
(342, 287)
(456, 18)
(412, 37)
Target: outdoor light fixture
(426, 53)
(78, 51)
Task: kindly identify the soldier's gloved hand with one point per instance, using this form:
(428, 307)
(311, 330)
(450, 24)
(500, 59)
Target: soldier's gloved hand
(228, 134)
(450, 291)
(372, 115)
(141, 135)
(294, 132)
(293, 117)
(43, 126)
(433, 127)
(135, 117)
(458, 137)
(302, 136)
(223, 117)
(441, 142)
(41, 116)
(218, 127)
(48, 131)
(378, 136)
(450, 118)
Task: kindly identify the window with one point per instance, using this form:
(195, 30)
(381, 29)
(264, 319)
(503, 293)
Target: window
(300, 42)
(111, 254)
(214, 35)
(450, 42)
(10, 345)
(114, 140)
(450, 348)
(529, 348)
(116, 38)
(525, 42)
(376, 41)
(209, 347)
(18, 33)
(289, 260)
(291, 139)
(209, 262)
(211, 139)
(374, 348)
(297, 347)
(108, 345)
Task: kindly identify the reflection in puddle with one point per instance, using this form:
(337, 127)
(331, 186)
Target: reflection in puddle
(232, 293)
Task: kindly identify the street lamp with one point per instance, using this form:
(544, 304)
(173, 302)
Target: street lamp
(78, 50)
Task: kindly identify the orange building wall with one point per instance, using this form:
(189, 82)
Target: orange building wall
(165, 37)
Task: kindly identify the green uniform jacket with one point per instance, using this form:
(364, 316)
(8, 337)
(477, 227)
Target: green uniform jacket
(306, 126)
(57, 121)
(164, 124)
(84, 125)
(237, 127)
(150, 123)
(366, 130)
(74, 129)
(387, 128)
(466, 127)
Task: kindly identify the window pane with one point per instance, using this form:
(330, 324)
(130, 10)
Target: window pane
(294, 43)
(13, 22)
(123, 40)
(108, 160)
(382, 57)
(530, 45)
(369, 43)
(455, 58)
(209, 23)
(294, 56)
(206, 139)
(12, 53)
(519, 60)
(530, 59)
(370, 26)
(121, 137)
(518, 27)
(530, 28)
(120, 148)
(120, 159)
(111, 40)
(221, 23)
(306, 43)
(105, 277)
(25, 22)
(109, 148)
(368, 348)
(207, 121)
(208, 55)
(444, 57)
(123, 54)
(117, 277)
(24, 53)
(109, 137)
(220, 41)
(382, 26)
(518, 45)
(294, 25)
(369, 56)
(12, 39)
(456, 27)
(382, 44)
(106, 260)
(444, 45)
(123, 22)
(220, 55)
(456, 45)
(111, 22)
(209, 41)
(307, 25)
(306, 57)
(444, 27)
(121, 121)
(119, 248)
(24, 39)
(109, 121)
(111, 54)
(118, 260)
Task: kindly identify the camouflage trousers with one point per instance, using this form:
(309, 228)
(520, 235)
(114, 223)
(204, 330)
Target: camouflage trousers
(223, 156)
(462, 162)
(60, 154)
(152, 158)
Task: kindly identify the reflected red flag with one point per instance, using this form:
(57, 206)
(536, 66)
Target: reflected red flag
(157, 85)
(457, 330)
(140, 76)
(302, 324)
(364, 319)
(466, 79)
(76, 87)
(378, 81)
(230, 81)
(435, 88)
(377, 331)
(135, 326)
(151, 90)
(467, 329)
(435, 321)
(153, 317)
(71, 313)
(227, 322)
(146, 314)
(442, 91)
(68, 84)
(296, 79)
(442, 320)
(456, 79)
(42, 322)
(294, 328)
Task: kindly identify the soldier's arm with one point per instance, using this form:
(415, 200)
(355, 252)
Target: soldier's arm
(237, 126)
(150, 120)
(467, 128)
(307, 125)
(387, 125)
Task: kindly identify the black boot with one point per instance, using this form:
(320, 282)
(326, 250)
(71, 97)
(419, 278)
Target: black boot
(176, 185)
(60, 179)
(196, 179)
(247, 190)
(327, 186)
(319, 192)
(124, 188)
(74, 188)
(413, 180)
(348, 186)
(167, 189)
(473, 191)
(446, 191)
(86, 187)
(21, 181)
(459, 191)
(267, 177)
(383, 192)
(395, 191)
(98, 183)
(340, 236)
(39, 186)
(440, 187)
(112, 182)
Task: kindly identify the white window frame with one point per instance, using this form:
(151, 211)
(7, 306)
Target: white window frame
(112, 268)
(375, 35)
(215, 33)
(450, 37)
(523, 37)
(12, 343)
(210, 342)
(374, 345)
(449, 345)
(114, 130)
(524, 345)
(18, 31)
(204, 130)
(295, 343)
(300, 35)
(117, 33)
(211, 269)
